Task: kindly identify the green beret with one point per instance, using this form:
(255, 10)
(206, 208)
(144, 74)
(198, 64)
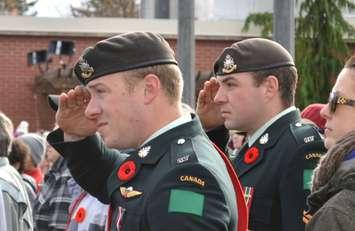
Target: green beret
(122, 53)
(252, 55)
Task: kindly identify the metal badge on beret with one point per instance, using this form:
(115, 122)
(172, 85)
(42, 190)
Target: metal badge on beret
(86, 69)
(229, 65)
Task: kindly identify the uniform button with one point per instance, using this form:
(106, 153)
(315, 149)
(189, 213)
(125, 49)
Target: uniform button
(181, 141)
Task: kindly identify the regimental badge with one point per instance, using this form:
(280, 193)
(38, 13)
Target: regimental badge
(86, 69)
(264, 139)
(129, 192)
(229, 65)
(144, 151)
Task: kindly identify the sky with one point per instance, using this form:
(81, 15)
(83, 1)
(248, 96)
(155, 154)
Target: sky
(55, 8)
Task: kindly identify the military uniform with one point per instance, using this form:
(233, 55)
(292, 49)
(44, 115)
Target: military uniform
(177, 181)
(275, 172)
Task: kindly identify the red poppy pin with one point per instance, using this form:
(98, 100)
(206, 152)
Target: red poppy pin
(251, 155)
(80, 215)
(127, 170)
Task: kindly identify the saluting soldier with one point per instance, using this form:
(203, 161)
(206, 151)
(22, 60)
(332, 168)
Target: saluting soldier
(254, 92)
(174, 179)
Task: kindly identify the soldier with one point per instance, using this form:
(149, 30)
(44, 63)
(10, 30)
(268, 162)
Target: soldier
(175, 179)
(254, 92)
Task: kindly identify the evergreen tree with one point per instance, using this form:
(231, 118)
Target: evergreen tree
(106, 8)
(263, 20)
(15, 7)
(320, 47)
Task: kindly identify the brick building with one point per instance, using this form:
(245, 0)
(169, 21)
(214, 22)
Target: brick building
(21, 99)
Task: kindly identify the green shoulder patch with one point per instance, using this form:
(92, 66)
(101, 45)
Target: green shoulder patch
(307, 178)
(184, 201)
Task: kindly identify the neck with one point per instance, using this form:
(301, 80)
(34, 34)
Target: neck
(159, 117)
(271, 110)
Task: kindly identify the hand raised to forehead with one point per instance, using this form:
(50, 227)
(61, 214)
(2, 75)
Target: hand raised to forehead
(207, 110)
(70, 116)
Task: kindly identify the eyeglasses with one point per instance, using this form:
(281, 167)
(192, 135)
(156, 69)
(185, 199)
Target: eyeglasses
(335, 99)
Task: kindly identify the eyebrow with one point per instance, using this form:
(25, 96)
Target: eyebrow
(95, 85)
(227, 78)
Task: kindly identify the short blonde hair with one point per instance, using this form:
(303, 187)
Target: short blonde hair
(169, 75)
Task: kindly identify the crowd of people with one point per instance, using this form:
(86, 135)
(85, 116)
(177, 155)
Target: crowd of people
(126, 154)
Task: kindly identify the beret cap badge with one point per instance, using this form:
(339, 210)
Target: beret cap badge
(86, 69)
(228, 65)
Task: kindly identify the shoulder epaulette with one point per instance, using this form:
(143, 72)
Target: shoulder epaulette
(305, 133)
(183, 151)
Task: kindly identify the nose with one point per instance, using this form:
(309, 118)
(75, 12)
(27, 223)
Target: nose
(93, 109)
(220, 97)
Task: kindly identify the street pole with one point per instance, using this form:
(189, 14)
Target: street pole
(186, 48)
(284, 24)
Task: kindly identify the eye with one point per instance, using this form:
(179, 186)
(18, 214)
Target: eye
(99, 90)
(230, 84)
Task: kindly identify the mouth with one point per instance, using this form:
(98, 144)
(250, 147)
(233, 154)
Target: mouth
(224, 113)
(327, 130)
(101, 125)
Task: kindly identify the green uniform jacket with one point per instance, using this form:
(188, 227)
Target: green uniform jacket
(177, 181)
(276, 173)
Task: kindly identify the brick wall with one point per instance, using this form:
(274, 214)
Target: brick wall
(17, 98)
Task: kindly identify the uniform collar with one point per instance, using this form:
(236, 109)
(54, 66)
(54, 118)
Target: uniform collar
(251, 139)
(162, 142)
(266, 140)
(181, 120)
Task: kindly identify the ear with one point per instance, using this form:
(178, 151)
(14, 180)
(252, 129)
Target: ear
(271, 86)
(152, 88)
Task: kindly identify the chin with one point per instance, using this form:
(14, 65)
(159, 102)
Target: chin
(328, 143)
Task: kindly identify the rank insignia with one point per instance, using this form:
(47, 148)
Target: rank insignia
(308, 139)
(144, 151)
(129, 192)
(228, 65)
(264, 139)
(86, 69)
(182, 159)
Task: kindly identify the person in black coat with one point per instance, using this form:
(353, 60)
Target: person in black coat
(174, 179)
(253, 91)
